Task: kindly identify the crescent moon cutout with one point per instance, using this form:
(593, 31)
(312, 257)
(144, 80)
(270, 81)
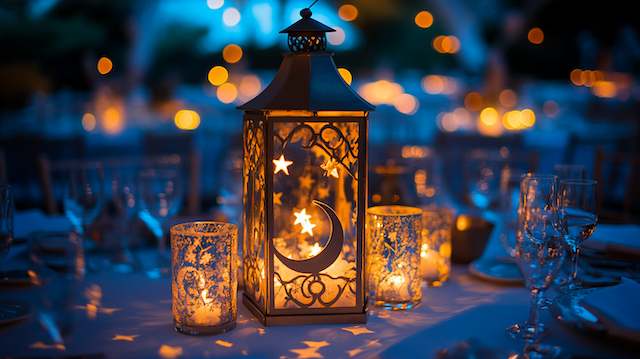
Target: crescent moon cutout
(329, 253)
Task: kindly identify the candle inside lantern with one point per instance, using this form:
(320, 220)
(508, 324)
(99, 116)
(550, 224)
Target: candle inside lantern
(435, 252)
(393, 256)
(204, 283)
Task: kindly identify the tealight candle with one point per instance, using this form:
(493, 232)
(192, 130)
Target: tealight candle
(204, 283)
(393, 256)
(435, 252)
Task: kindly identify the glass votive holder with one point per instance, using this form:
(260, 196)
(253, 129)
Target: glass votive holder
(393, 256)
(204, 277)
(435, 252)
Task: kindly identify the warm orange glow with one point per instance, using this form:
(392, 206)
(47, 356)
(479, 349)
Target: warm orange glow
(446, 44)
(433, 84)
(249, 87)
(535, 36)
(88, 122)
(406, 104)
(528, 117)
(604, 89)
(232, 53)
(508, 98)
(381, 92)
(337, 37)
(187, 120)
(424, 19)
(227, 92)
(489, 116)
(104, 65)
(330, 168)
(345, 74)
(463, 223)
(348, 12)
(489, 123)
(218, 75)
(282, 165)
(473, 101)
(112, 121)
(576, 77)
(519, 120)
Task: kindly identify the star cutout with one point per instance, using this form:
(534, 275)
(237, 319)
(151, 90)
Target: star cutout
(307, 227)
(282, 165)
(301, 217)
(323, 192)
(311, 351)
(124, 338)
(357, 330)
(277, 198)
(331, 168)
(306, 181)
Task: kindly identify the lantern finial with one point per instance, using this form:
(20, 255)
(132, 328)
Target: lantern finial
(307, 34)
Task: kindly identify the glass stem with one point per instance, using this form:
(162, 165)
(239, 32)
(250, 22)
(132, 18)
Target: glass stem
(534, 309)
(575, 253)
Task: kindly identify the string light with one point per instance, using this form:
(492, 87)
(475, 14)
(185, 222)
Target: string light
(424, 19)
(215, 4)
(218, 75)
(348, 12)
(227, 93)
(104, 65)
(232, 53)
(535, 36)
(88, 122)
(282, 165)
(187, 120)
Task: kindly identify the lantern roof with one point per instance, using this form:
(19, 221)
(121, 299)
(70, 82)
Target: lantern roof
(307, 78)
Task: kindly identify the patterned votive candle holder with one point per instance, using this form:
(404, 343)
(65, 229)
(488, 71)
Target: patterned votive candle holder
(435, 252)
(204, 277)
(393, 256)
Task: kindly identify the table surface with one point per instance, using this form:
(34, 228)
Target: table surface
(133, 319)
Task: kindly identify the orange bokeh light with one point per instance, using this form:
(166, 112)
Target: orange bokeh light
(535, 36)
(104, 65)
(232, 53)
(348, 12)
(227, 93)
(424, 19)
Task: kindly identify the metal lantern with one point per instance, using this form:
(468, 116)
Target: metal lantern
(305, 189)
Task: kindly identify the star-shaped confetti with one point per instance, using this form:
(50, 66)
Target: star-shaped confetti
(306, 181)
(357, 330)
(224, 343)
(277, 198)
(124, 338)
(282, 165)
(331, 168)
(169, 352)
(311, 351)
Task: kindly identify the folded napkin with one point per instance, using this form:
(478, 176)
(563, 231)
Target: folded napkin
(31, 221)
(617, 308)
(616, 238)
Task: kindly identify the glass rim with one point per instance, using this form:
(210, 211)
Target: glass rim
(579, 181)
(179, 228)
(394, 210)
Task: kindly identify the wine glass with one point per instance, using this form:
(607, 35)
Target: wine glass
(566, 171)
(125, 199)
(160, 195)
(83, 195)
(577, 212)
(484, 174)
(540, 250)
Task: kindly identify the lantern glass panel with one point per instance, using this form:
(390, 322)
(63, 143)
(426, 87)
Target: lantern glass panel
(254, 225)
(315, 210)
